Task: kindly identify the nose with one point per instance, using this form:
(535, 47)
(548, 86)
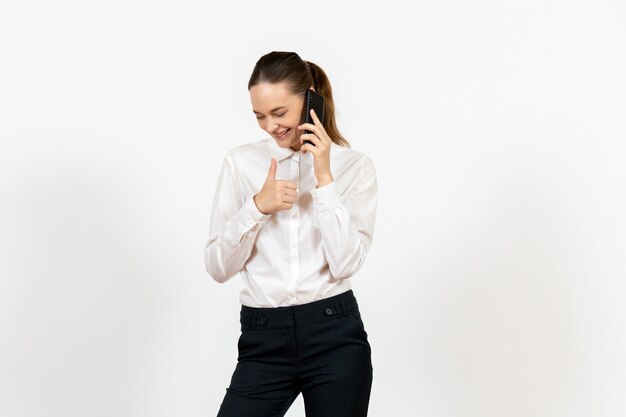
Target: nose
(270, 125)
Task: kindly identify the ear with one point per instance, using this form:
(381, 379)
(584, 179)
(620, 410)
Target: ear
(311, 88)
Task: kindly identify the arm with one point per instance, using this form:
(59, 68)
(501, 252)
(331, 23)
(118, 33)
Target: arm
(233, 227)
(347, 223)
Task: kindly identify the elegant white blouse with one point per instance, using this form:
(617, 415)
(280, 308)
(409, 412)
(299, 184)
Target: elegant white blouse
(293, 256)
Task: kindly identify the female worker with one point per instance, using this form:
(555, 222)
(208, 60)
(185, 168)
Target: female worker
(296, 221)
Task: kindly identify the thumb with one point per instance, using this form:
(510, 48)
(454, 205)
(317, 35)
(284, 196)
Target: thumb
(271, 175)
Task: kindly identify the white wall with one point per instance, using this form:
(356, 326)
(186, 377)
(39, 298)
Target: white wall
(495, 283)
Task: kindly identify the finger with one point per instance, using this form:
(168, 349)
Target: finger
(313, 138)
(271, 175)
(307, 147)
(308, 126)
(289, 199)
(289, 184)
(318, 130)
(316, 120)
(291, 192)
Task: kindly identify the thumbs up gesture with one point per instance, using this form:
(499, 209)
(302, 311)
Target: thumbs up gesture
(276, 194)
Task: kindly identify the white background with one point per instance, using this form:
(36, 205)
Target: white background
(495, 283)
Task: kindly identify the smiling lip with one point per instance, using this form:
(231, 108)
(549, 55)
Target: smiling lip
(283, 133)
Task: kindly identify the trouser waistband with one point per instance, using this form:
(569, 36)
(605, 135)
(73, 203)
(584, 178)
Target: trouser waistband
(258, 318)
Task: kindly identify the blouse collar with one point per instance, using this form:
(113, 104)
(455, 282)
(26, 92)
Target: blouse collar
(278, 152)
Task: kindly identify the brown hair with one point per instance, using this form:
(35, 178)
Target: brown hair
(299, 75)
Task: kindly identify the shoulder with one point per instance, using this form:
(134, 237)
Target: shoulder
(246, 155)
(352, 157)
(246, 150)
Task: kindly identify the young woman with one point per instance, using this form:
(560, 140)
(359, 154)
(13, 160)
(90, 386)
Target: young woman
(296, 221)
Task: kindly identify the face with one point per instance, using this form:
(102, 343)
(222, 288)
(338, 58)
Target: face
(278, 112)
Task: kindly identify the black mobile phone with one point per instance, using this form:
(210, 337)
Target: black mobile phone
(315, 101)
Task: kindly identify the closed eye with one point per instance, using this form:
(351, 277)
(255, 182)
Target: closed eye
(278, 115)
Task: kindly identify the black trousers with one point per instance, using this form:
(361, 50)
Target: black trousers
(319, 349)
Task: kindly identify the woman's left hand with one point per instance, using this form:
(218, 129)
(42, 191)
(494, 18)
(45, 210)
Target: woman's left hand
(321, 150)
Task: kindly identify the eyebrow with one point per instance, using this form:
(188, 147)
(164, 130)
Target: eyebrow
(271, 111)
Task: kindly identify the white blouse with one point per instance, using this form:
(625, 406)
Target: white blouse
(293, 256)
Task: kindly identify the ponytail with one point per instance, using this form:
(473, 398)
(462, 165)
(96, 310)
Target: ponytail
(321, 84)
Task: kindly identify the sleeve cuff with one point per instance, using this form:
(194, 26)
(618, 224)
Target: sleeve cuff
(252, 218)
(326, 197)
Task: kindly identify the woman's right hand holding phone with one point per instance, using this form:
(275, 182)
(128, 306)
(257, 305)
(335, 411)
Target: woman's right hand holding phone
(276, 194)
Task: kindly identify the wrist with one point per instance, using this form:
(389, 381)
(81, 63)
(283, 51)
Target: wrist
(256, 204)
(324, 180)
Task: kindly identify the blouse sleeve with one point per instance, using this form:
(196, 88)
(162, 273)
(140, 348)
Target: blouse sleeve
(235, 222)
(346, 223)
